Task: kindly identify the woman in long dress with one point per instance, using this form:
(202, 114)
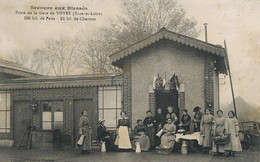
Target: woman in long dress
(219, 131)
(85, 129)
(232, 128)
(124, 129)
(104, 136)
(206, 129)
(168, 137)
(141, 136)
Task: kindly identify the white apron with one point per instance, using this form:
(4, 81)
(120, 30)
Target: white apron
(123, 139)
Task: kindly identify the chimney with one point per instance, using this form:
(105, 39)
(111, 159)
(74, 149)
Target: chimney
(206, 34)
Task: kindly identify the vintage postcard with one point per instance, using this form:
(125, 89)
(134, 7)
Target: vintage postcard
(129, 80)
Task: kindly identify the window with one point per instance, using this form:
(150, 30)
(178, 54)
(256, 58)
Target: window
(109, 105)
(52, 115)
(4, 112)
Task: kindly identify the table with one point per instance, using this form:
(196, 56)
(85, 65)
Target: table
(189, 138)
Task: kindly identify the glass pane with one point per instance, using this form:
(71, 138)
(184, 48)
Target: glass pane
(119, 99)
(46, 125)
(58, 116)
(118, 114)
(57, 105)
(110, 88)
(100, 99)
(118, 87)
(110, 117)
(46, 116)
(2, 130)
(8, 101)
(2, 119)
(109, 99)
(46, 107)
(8, 119)
(100, 114)
(2, 101)
(58, 125)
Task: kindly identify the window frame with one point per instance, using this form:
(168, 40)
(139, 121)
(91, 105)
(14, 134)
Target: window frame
(102, 108)
(7, 130)
(52, 114)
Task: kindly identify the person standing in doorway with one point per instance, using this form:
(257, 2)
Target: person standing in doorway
(171, 115)
(85, 129)
(149, 122)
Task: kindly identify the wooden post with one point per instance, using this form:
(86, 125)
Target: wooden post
(230, 79)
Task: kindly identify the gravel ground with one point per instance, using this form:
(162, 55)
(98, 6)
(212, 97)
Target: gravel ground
(14, 155)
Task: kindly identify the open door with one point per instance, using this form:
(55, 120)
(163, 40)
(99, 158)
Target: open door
(167, 98)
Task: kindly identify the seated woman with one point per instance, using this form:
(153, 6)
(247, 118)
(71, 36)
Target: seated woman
(140, 135)
(104, 136)
(168, 137)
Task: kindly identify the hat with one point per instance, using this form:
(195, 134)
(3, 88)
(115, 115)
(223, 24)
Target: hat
(196, 109)
(148, 111)
(100, 121)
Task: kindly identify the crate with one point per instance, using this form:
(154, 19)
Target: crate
(164, 151)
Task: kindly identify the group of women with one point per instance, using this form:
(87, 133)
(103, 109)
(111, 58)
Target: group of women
(218, 133)
(221, 132)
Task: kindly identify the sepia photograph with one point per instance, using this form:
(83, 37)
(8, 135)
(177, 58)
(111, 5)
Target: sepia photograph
(130, 80)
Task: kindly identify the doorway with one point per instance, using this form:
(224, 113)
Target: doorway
(165, 98)
(22, 119)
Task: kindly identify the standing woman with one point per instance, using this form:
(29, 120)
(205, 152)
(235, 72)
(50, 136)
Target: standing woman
(186, 120)
(219, 131)
(232, 128)
(160, 121)
(149, 122)
(85, 129)
(206, 129)
(197, 118)
(171, 115)
(124, 129)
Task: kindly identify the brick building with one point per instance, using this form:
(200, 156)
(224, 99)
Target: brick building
(195, 63)
(60, 100)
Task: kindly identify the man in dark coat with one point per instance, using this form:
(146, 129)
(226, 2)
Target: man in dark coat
(149, 122)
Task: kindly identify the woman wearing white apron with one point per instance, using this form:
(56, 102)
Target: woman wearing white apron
(123, 138)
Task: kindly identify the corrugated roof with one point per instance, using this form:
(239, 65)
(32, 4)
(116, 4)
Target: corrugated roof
(9, 67)
(62, 81)
(166, 34)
